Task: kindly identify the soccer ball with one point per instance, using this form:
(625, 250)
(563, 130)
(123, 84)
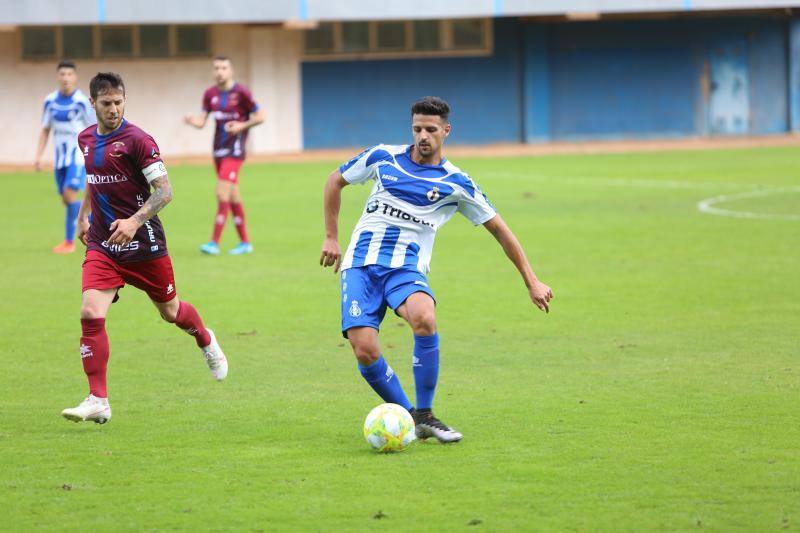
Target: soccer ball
(389, 428)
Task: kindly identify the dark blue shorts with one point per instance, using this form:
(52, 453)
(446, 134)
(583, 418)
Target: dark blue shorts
(368, 290)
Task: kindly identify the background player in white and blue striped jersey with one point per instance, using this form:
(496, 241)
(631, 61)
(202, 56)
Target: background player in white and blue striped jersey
(416, 190)
(66, 113)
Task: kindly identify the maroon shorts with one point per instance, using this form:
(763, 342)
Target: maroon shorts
(154, 277)
(228, 169)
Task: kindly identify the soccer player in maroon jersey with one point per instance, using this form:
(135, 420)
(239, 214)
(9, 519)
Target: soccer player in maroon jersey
(236, 112)
(125, 240)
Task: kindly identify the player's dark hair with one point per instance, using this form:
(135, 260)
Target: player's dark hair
(104, 81)
(66, 63)
(221, 57)
(431, 105)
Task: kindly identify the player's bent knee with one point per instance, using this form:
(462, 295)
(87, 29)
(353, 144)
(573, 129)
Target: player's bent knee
(366, 352)
(423, 323)
(90, 311)
(366, 358)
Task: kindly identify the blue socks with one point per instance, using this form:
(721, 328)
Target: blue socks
(382, 379)
(71, 219)
(426, 368)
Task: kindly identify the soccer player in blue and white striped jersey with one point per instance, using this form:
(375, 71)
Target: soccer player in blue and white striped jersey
(416, 191)
(66, 113)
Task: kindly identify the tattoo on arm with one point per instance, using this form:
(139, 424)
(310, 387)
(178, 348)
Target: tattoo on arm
(162, 195)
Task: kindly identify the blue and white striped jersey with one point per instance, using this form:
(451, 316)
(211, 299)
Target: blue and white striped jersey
(67, 116)
(408, 203)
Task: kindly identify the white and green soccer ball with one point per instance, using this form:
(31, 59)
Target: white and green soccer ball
(389, 428)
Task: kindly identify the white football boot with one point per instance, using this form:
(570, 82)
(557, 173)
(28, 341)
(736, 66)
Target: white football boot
(215, 359)
(92, 409)
(427, 425)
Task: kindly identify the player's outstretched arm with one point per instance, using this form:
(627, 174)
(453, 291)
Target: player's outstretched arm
(83, 216)
(124, 230)
(331, 253)
(196, 121)
(539, 293)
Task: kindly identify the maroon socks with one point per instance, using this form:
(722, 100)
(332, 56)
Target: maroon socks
(94, 354)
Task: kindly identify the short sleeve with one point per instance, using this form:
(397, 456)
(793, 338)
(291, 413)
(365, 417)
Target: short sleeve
(148, 159)
(89, 116)
(362, 167)
(474, 205)
(47, 117)
(249, 104)
(206, 102)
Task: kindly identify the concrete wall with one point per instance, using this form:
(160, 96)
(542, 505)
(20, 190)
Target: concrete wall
(160, 92)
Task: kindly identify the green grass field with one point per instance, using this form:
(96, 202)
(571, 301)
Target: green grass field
(661, 393)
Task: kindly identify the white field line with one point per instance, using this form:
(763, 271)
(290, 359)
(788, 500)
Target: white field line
(631, 182)
(704, 206)
(707, 205)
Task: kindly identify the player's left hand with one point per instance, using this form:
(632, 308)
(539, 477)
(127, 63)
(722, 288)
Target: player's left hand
(123, 231)
(234, 127)
(541, 295)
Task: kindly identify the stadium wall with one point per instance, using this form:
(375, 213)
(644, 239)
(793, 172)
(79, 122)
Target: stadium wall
(565, 81)
(353, 103)
(160, 92)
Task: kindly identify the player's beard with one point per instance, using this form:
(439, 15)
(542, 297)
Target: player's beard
(112, 124)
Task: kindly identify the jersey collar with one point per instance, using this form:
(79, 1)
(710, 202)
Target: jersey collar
(411, 159)
(113, 133)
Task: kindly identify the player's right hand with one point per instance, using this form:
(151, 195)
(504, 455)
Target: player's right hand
(82, 230)
(331, 254)
(37, 166)
(541, 295)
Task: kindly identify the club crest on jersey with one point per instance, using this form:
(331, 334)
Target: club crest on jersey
(214, 100)
(433, 194)
(355, 310)
(117, 146)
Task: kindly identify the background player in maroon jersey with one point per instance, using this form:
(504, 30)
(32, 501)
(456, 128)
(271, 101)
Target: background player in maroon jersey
(125, 240)
(236, 112)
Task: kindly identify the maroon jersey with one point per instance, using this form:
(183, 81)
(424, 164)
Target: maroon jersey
(225, 106)
(117, 169)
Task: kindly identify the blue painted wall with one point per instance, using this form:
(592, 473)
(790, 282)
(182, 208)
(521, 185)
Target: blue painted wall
(794, 75)
(646, 78)
(362, 103)
(554, 81)
(622, 79)
(769, 80)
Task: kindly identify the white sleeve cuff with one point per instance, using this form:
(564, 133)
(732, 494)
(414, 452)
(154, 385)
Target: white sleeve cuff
(154, 171)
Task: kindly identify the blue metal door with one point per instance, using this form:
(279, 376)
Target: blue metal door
(729, 98)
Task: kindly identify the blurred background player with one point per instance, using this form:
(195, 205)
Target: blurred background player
(235, 113)
(416, 191)
(66, 112)
(125, 240)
